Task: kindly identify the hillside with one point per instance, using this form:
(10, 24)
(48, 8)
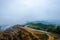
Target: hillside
(19, 32)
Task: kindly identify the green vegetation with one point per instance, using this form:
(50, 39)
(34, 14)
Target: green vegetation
(45, 27)
(57, 30)
(43, 37)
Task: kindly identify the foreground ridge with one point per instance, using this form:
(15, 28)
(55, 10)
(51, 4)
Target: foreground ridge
(19, 32)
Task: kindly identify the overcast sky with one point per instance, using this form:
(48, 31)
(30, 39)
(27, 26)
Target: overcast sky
(20, 11)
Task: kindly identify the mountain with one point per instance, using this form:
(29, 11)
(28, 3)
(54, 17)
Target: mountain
(4, 27)
(20, 32)
(53, 22)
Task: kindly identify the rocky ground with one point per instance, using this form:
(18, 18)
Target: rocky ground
(19, 32)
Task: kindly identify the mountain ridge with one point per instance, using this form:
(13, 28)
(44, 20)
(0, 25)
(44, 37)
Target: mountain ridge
(19, 32)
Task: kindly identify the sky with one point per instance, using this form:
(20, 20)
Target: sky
(21, 11)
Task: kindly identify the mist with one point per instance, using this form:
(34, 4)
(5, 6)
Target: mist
(22, 11)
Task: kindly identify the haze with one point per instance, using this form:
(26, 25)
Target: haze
(21, 11)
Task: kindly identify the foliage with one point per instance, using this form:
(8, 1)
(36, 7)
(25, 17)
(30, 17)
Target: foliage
(44, 37)
(41, 26)
(57, 30)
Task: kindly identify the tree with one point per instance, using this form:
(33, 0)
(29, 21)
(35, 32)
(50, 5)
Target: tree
(58, 30)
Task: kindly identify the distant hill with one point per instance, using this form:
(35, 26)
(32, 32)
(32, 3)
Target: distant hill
(4, 27)
(48, 22)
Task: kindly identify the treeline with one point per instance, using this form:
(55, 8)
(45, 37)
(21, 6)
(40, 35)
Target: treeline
(45, 27)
